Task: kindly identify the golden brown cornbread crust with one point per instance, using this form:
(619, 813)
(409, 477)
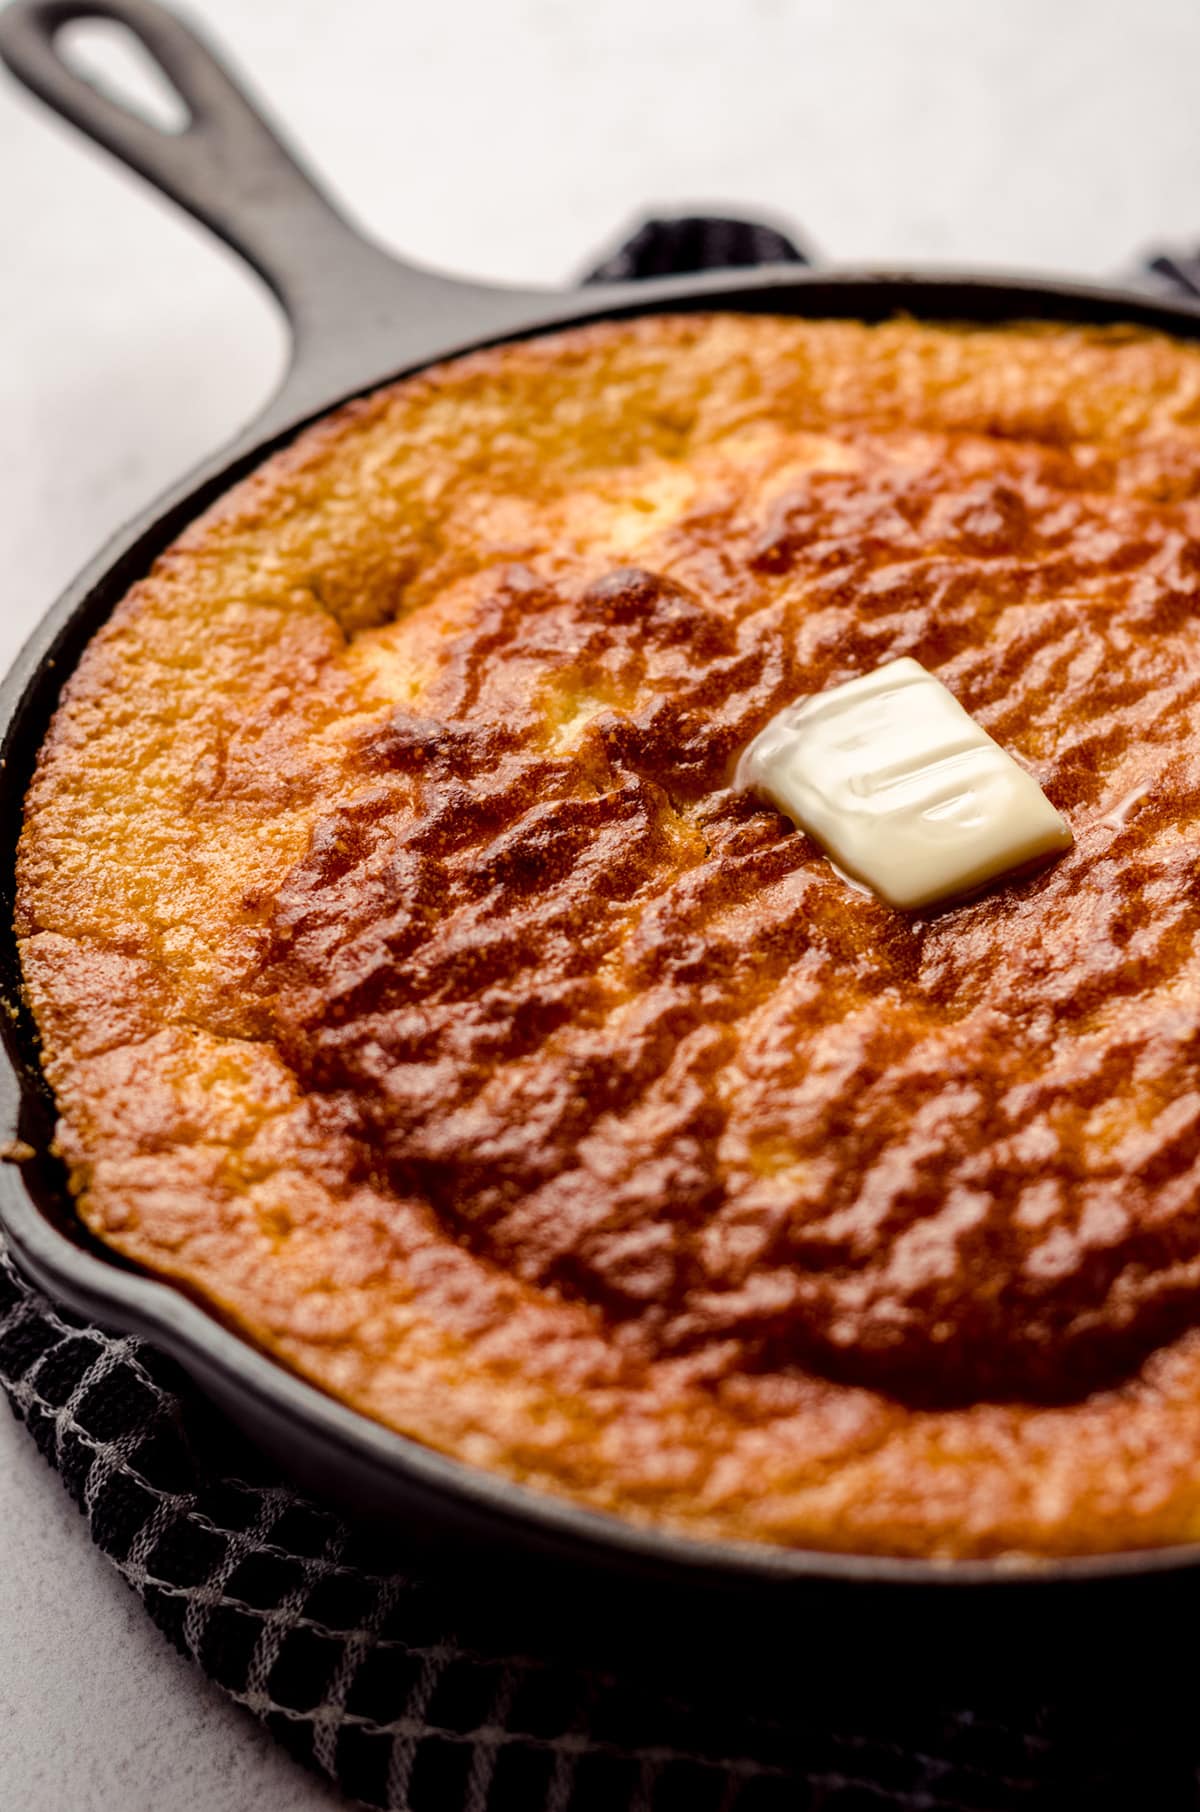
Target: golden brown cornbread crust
(416, 993)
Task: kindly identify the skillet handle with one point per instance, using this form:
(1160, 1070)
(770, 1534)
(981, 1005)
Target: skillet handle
(355, 311)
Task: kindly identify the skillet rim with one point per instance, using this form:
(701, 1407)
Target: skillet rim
(51, 1246)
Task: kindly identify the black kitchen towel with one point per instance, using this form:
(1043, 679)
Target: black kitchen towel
(679, 243)
(355, 1661)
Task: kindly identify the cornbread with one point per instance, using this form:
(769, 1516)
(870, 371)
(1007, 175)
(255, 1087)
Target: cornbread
(418, 993)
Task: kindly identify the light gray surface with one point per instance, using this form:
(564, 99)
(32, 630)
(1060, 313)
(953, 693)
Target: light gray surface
(507, 139)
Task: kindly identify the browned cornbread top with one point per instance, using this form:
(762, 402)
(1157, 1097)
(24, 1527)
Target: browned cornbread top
(416, 991)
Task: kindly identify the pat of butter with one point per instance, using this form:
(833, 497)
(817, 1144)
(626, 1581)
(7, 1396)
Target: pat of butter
(902, 788)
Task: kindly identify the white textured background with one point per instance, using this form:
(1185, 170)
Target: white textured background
(510, 138)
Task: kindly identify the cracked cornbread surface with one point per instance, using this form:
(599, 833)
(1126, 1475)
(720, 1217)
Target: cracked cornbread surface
(417, 993)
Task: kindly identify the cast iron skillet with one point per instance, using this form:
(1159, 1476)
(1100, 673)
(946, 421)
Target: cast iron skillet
(359, 317)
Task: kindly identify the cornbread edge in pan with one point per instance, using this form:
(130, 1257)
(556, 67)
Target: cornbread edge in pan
(416, 992)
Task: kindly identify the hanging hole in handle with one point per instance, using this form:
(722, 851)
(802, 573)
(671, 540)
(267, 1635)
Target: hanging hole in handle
(109, 58)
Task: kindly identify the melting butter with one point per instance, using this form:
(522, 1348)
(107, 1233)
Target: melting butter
(1124, 809)
(902, 788)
